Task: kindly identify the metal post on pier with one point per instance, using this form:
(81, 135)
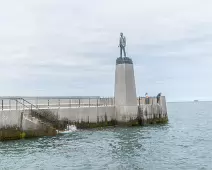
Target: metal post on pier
(59, 103)
(23, 104)
(139, 100)
(36, 102)
(16, 104)
(2, 104)
(69, 102)
(9, 104)
(79, 102)
(89, 101)
(97, 102)
(48, 103)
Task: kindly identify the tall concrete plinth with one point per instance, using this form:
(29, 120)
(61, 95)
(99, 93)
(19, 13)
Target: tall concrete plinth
(125, 91)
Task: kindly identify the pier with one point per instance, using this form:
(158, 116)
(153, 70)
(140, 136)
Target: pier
(22, 117)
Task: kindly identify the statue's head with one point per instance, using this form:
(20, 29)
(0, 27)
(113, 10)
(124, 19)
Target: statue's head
(121, 34)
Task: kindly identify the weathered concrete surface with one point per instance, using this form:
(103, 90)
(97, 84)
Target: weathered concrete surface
(10, 118)
(86, 116)
(95, 115)
(125, 93)
(153, 113)
(17, 124)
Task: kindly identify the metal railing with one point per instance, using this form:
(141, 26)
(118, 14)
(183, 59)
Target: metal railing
(13, 103)
(149, 100)
(48, 103)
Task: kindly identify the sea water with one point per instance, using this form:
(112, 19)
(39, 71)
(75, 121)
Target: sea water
(184, 143)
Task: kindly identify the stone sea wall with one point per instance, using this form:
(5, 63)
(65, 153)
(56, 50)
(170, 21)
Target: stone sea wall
(23, 123)
(17, 124)
(106, 115)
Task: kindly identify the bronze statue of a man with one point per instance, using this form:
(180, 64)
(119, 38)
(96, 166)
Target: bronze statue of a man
(122, 44)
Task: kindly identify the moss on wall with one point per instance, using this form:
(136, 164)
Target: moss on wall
(17, 133)
(136, 122)
(13, 133)
(86, 125)
(154, 121)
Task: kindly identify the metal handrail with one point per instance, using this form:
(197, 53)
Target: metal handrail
(29, 103)
(18, 101)
(89, 102)
(21, 103)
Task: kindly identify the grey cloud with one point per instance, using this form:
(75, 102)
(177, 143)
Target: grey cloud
(50, 47)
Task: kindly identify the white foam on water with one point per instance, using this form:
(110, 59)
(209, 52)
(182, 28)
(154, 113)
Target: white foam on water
(69, 129)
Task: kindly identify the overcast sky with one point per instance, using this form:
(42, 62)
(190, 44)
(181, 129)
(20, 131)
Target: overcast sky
(69, 47)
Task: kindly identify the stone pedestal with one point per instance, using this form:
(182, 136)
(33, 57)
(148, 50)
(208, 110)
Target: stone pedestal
(125, 91)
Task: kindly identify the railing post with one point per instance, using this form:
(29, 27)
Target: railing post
(97, 102)
(89, 102)
(59, 103)
(79, 102)
(36, 102)
(2, 104)
(139, 101)
(69, 102)
(48, 103)
(9, 104)
(23, 104)
(16, 104)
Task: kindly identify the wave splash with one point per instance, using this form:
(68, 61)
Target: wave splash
(69, 129)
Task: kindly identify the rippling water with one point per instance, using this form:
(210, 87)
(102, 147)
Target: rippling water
(184, 143)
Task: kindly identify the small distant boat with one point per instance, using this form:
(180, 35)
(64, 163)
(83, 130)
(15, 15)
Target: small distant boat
(196, 100)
